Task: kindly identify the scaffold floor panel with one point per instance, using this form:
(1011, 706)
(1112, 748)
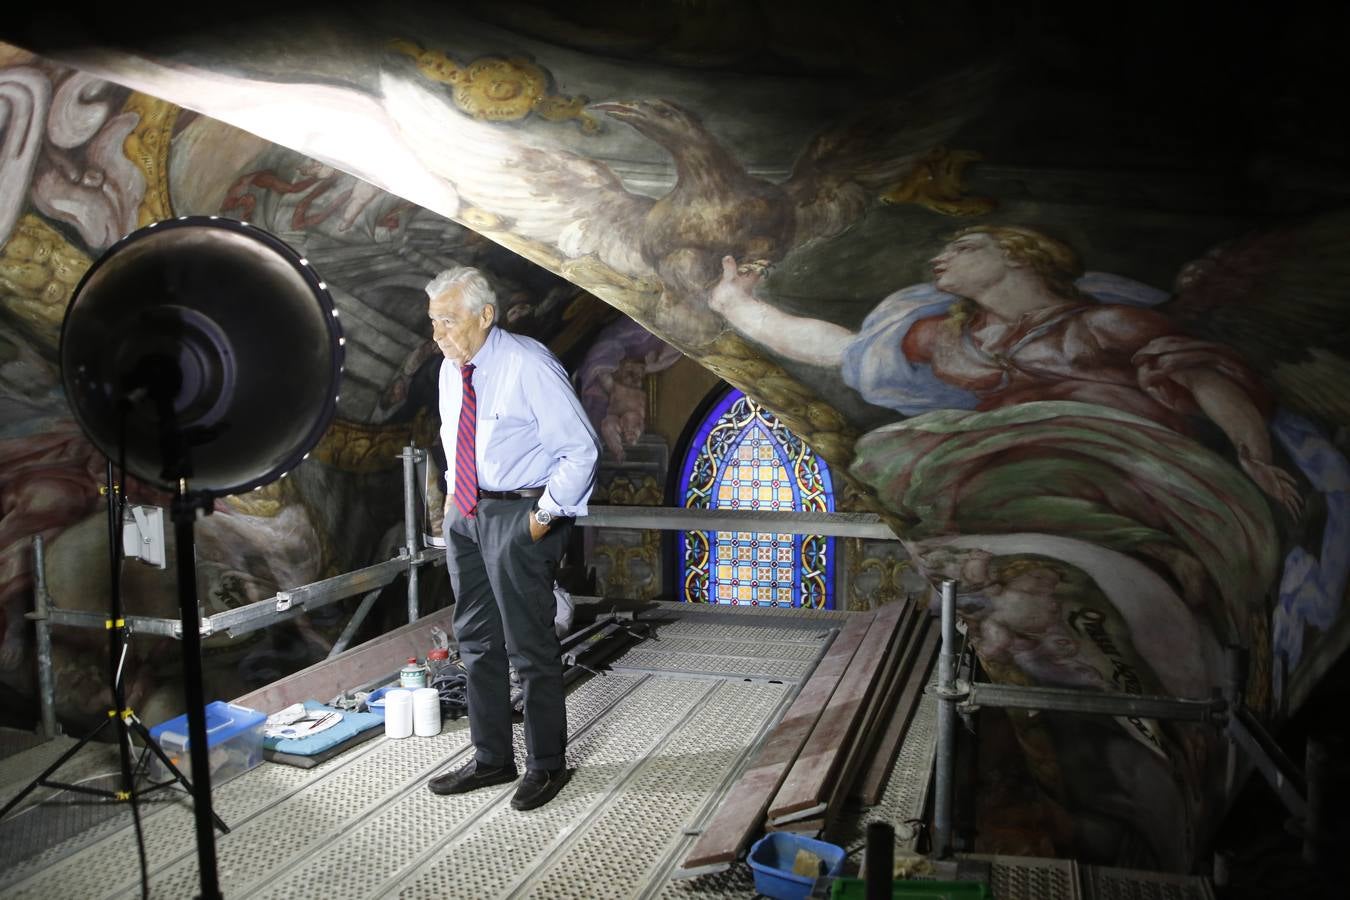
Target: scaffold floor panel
(653, 752)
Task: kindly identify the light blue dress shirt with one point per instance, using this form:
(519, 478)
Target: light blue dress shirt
(532, 430)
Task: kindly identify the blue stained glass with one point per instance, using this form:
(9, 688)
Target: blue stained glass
(742, 457)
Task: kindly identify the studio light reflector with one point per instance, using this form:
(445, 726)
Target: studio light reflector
(205, 349)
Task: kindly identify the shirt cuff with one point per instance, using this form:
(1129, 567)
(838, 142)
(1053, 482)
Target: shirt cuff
(549, 505)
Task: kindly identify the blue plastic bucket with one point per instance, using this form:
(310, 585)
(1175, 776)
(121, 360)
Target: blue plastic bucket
(772, 857)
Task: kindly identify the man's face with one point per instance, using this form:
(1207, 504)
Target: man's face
(969, 265)
(457, 330)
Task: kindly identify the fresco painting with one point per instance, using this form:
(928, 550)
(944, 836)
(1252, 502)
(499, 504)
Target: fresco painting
(612, 382)
(1122, 429)
(104, 161)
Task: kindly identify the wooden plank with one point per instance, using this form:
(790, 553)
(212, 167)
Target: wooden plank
(885, 691)
(803, 791)
(741, 811)
(878, 771)
(374, 659)
(864, 750)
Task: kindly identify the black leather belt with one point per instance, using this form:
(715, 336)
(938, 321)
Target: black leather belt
(522, 494)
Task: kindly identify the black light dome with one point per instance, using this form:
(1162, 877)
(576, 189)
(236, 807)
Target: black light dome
(211, 346)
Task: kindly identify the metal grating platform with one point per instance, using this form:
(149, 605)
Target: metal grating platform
(704, 646)
(1031, 878)
(654, 751)
(1103, 883)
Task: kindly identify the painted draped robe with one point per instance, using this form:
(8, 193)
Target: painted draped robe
(1067, 422)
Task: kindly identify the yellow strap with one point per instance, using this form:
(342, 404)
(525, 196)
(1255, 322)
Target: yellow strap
(122, 795)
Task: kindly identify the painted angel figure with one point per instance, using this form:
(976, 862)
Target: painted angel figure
(1069, 416)
(1092, 379)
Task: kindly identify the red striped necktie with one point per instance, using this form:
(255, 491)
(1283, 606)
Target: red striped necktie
(466, 460)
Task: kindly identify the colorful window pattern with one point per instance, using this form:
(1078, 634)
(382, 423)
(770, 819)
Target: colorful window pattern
(742, 457)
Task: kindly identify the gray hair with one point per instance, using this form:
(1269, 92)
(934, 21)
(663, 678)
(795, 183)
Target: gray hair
(473, 285)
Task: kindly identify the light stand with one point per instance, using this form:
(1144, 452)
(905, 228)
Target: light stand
(124, 718)
(187, 507)
(206, 354)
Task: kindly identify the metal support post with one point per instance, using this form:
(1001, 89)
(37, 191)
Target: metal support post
(1317, 769)
(1232, 693)
(946, 726)
(411, 530)
(1265, 754)
(43, 628)
(367, 602)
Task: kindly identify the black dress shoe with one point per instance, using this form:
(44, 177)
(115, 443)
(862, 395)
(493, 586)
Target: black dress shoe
(471, 777)
(539, 786)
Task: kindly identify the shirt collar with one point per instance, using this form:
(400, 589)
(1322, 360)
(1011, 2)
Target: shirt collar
(485, 352)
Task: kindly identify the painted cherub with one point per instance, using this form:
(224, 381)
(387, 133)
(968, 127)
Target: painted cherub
(626, 415)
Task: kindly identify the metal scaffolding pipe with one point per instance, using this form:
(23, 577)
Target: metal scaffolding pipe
(43, 628)
(1103, 703)
(411, 531)
(349, 632)
(1278, 770)
(944, 777)
(1318, 770)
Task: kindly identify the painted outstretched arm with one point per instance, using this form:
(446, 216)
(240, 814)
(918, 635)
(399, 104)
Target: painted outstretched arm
(795, 337)
(1229, 407)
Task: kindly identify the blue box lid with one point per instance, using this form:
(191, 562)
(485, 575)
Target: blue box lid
(223, 721)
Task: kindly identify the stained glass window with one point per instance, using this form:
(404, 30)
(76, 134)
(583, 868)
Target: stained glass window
(742, 457)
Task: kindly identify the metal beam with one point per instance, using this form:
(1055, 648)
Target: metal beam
(1277, 768)
(320, 593)
(284, 605)
(1105, 703)
(135, 624)
(660, 518)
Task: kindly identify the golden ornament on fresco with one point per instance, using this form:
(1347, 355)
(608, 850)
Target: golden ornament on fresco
(498, 89)
(147, 147)
(823, 417)
(835, 447)
(626, 294)
(363, 449)
(480, 219)
(937, 182)
(622, 492)
(265, 502)
(39, 269)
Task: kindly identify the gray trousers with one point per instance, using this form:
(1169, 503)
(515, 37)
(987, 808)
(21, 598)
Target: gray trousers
(504, 608)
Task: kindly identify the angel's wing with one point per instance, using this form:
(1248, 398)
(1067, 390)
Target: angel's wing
(841, 169)
(546, 194)
(1282, 299)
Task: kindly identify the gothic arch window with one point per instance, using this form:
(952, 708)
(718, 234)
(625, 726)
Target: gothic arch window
(742, 457)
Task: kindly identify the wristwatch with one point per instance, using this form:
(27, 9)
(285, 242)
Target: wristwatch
(542, 516)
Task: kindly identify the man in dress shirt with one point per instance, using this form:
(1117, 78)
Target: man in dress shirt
(534, 466)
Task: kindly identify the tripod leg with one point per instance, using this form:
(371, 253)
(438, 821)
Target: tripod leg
(41, 779)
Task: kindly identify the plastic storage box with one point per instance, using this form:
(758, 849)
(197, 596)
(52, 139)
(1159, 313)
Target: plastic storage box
(772, 858)
(234, 735)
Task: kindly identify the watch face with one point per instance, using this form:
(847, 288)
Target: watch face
(543, 517)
